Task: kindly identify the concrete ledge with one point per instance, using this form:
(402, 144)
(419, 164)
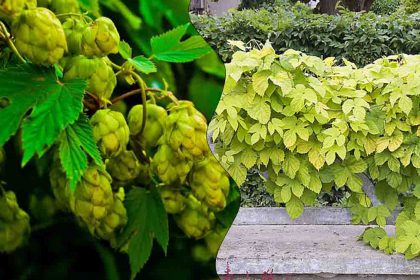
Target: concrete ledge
(311, 216)
(320, 244)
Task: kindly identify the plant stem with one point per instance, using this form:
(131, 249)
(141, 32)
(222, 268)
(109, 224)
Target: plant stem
(6, 36)
(116, 66)
(144, 100)
(132, 93)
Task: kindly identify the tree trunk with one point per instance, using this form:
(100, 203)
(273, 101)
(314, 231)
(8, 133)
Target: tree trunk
(329, 6)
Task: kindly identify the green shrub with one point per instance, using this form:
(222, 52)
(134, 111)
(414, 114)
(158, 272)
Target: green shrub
(410, 6)
(253, 4)
(359, 37)
(385, 7)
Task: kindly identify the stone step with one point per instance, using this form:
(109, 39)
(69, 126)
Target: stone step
(312, 246)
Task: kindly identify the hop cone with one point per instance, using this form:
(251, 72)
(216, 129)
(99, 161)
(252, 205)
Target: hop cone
(11, 8)
(186, 130)
(73, 28)
(100, 39)
(172, 199)
(169, 166)
(93, 198)
(14, 223)
(115, 219)
(63, 6)
(39, 36)
(210, 183)
(60, 186)
(125, 167)
(155, 124)
(110, 132)
(100, 76)
(196, 220)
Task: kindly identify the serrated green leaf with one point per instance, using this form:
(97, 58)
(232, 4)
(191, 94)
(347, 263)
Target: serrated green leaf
(147, 220)
(260, 81)
(55, 105)
(143, 64)
(125, 50)
(169, 47)
(51, 116)
(75, 143)
(294, 207)
(406, 104)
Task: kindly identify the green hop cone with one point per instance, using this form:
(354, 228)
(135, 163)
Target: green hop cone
(39, 36)
(172, 199)
(169, 166)
(100, 38)
(155, 124)
(196, 220)
(210, 183)
(73, 28)
(100, 76)
(186, 130)
(14, 223)
(125, 167)
(93, 200)
(60, 186)
(11, 8)
(110, 131)
(61, 6)
(115, 219)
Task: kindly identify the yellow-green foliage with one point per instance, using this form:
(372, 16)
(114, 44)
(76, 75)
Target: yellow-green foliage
(311, 124)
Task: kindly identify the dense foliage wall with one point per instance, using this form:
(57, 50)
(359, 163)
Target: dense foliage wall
(358, 37)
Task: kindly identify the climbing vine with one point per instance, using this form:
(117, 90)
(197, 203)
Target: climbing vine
(311, 125)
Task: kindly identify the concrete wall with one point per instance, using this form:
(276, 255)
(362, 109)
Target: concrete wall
(222, 6)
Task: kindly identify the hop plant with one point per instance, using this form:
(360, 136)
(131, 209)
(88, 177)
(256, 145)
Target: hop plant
(11, 8)
(172, 199)
(100, 76)
(61, 6)
(60, 186)
(210, 183)
(39, 36)
(169, 166)
(125, 167)
(196, 220)
(155, 124)
(14, 223)
(115, 219)
(100, 38)
(186, 130)
(110, 131)
(93, 200)
(73, 28)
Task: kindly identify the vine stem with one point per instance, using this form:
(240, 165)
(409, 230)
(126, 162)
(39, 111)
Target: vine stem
(6, 36)
(144, 100)
(116, 66)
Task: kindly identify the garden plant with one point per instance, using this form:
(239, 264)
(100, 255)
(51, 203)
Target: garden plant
(94, 140)
(312, 125)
